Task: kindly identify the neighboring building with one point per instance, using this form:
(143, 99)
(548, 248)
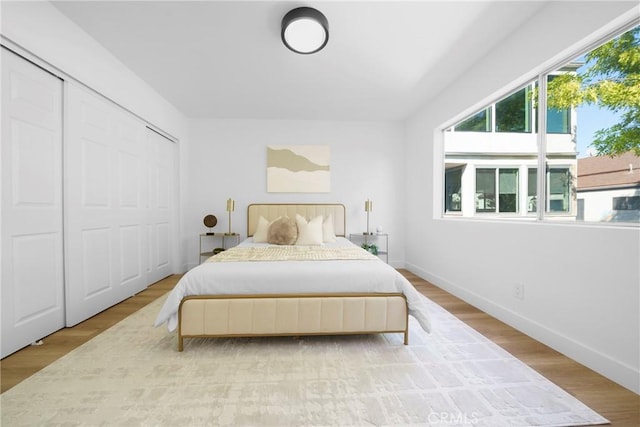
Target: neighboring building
(491, 159)
(609, 188)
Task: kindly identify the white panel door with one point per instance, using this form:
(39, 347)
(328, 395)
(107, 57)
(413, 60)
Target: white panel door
(160, 202)
(105, 164)
(32, 290)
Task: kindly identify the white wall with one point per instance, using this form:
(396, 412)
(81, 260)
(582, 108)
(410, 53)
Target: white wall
(581, 283)
(598, 205)
(41, 29)
(40, 32)
(227, 158)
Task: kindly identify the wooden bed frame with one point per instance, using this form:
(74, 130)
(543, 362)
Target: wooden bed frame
(292, 314)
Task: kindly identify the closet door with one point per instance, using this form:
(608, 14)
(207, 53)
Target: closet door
(160, 203)
(105, 220)
(32, 291)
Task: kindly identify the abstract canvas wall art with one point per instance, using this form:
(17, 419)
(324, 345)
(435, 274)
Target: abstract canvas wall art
(298, 169)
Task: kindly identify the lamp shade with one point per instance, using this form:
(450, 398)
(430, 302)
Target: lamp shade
(305, 30)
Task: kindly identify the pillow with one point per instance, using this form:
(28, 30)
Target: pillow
(262, 230)
(309, 233)
(283, 231)
(328, 232)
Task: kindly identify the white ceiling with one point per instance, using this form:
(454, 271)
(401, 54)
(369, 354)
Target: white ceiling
(225, 59)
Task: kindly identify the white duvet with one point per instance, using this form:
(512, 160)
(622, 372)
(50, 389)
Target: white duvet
(281, 277)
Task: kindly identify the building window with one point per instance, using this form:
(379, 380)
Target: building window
(485, 190)
(559, 186)
(508, 187)
(513, 113)
(558, 119)
(626, 203)
(453, 190)
(532, 190)
(500, 181)
(479, 122)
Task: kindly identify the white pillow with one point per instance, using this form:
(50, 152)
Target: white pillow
(309, 233)
(261, 235)
(328, 232)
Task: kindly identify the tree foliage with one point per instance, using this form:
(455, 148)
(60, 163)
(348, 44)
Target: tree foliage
(612, 81)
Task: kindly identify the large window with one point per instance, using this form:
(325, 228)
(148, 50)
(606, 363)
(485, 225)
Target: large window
(532, 151)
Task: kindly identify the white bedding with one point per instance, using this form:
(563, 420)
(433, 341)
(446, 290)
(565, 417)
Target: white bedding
(282, 277)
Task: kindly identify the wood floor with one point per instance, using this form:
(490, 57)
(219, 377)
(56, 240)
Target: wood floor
(619, 405)
(26, 362)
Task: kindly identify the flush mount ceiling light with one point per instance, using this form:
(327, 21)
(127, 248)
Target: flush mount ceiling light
(305, 30)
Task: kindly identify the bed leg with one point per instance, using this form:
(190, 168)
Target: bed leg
(406, 336)
(180, 343)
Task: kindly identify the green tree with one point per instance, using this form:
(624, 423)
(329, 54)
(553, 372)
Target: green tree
(612, 81)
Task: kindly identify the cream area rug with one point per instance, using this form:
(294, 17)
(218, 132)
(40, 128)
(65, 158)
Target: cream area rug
(133, 375)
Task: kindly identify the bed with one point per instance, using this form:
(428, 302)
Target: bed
(261, 289)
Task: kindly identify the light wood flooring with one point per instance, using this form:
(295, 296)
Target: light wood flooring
(26, 362)
(619, 405)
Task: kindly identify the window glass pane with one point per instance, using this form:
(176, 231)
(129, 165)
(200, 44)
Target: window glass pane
(626, 203)
(513, 114)
(593, 116)
(532, 190)
(508, 200)
(453, 186)
(559, 183)
(559, 119)
(485, 190)
(480, 122)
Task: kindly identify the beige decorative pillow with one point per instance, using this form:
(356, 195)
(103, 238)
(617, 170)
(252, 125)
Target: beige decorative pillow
(261, 235)
(309, 233)
(328, 231)
(283, 231)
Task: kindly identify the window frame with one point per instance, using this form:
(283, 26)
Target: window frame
(496, 190)
(539, 121)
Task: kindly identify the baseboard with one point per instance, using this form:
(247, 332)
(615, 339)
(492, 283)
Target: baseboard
(603, 364)
(396, 264)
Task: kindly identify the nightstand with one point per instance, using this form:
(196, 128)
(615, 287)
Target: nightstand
(381, 241)
(208, 243)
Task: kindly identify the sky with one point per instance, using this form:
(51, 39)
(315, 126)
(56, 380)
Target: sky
(591, 118)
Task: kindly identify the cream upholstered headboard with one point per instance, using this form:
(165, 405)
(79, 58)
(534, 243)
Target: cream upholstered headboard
(271, 211)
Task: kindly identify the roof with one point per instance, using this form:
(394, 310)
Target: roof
(606, 172)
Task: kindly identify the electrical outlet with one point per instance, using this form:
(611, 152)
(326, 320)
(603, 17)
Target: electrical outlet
(518, 291)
